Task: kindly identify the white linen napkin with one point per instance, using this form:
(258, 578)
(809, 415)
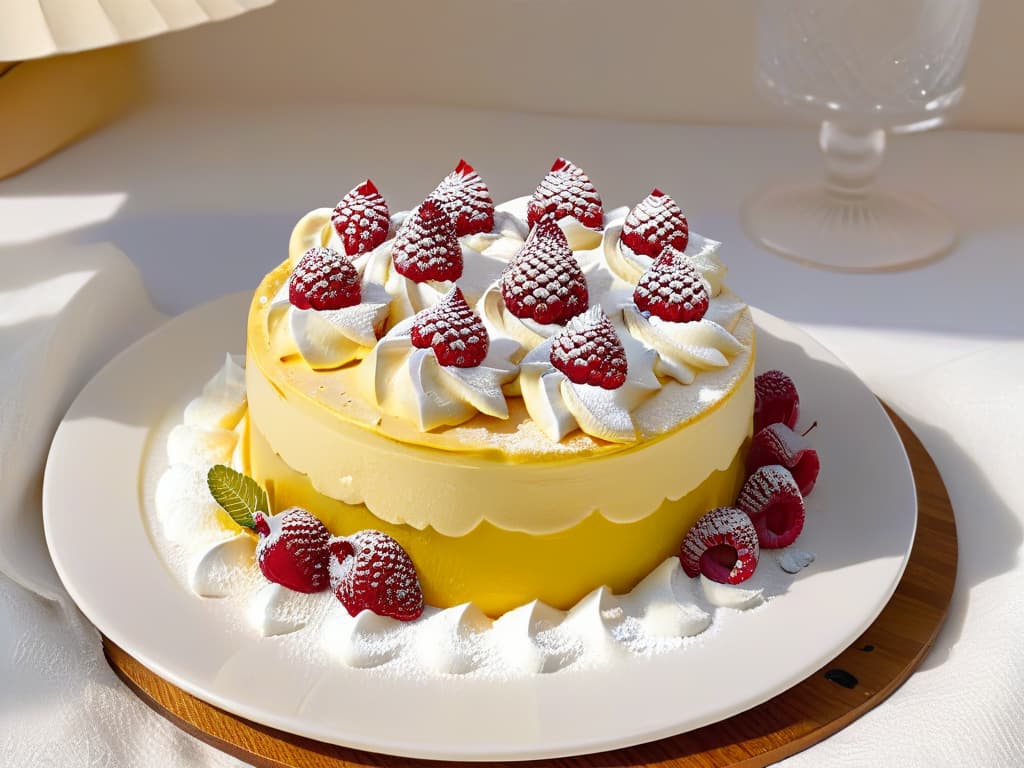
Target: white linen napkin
(63, 314)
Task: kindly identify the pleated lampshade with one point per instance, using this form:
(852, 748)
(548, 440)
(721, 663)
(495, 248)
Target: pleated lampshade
(31, 29)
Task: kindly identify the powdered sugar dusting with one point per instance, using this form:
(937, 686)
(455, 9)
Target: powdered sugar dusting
(654, 223)
(566, 192)
(466, 199)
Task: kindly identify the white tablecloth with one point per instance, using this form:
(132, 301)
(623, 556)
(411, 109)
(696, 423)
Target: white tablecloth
(202, 200)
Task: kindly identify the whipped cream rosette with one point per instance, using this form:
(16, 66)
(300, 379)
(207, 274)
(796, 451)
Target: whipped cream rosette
(440, 368)
(342, 322)
(629, 266)
(674, 314)
(591, 376)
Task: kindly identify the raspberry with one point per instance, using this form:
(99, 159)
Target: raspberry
(773, 501)
(776, 400)
(324, 279)
(588, 351)
(544, 282)
(370, 571)
(566, 191)
(655, 222)
(453, 330)
(292, 550)
(466, 199)
(778, 444)
(361, 219)
(672, 289)
(426, 247)
(722, 545)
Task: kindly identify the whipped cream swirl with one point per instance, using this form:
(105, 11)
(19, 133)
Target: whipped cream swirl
(629, 266)
(410, 383)
(558, 405)
(683, 349)
(330, 338)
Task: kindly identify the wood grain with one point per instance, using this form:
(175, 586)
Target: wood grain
(881, 659)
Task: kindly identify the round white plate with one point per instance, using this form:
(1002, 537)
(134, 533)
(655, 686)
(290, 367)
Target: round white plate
(860, 525)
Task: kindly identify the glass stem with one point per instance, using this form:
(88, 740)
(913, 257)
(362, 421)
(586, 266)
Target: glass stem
(852, 158)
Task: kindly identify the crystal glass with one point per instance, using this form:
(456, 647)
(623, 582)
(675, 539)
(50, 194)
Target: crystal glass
(861, 68)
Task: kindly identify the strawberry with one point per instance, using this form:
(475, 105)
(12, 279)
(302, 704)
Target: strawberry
(566, 191)
(544, 281)
(361, 219)
(465, 197)
(371, 572)
(722, 545)
(672, 289)
(324, 279)
(775, 400)
(778, 444)
(655, 222)
(453, 330)
(426, 247)
(773, 501)
(292, 550)
(588, 351)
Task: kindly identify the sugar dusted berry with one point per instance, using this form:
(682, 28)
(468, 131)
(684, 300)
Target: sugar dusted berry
(588, 351)
(369, 571)
(672, 289)
(292, 550)
(772, 499)
(453, 330)
(426, 247)
(722, 545)
(776, 400)
(324, 279)
(778, 444)
(566, 191)
(655, 223)
(466, 199)
(544, 281)
(361, 219)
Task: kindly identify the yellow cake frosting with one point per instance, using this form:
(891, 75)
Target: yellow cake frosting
(497, 508)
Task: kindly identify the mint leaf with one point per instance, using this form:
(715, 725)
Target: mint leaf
(238, 495)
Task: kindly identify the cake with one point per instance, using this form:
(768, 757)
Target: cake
(533, 399)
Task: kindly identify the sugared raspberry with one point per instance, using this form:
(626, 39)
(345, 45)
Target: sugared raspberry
(292, 550)
(361, 219)
(370, 571)
(776, 400)
(324, 279)
(426, 247)
(566, 191)
(655, 222)
(465, 197)
(672, 289)
(588, 351)
(453, 330)
(773, 501)
(544, 281)
(722, 545)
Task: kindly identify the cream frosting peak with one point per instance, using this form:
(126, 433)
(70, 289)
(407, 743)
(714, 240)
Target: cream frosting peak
(330, 338)
(558, 405)
(410, 383)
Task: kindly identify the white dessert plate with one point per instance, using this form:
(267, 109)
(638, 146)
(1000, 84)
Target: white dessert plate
(860, 525)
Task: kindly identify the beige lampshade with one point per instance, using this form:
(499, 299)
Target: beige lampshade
(30, 29)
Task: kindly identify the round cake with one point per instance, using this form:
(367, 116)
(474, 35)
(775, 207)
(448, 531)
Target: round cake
(534, 399)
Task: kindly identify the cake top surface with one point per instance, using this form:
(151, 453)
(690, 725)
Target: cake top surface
(543, 326)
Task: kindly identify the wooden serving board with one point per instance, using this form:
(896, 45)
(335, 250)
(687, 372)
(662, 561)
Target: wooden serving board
(857, 680)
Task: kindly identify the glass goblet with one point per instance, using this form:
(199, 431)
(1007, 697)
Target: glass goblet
(861, 68)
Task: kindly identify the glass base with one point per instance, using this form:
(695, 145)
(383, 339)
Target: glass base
(881, 230)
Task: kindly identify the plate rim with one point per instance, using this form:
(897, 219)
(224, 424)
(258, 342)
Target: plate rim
(66, 567)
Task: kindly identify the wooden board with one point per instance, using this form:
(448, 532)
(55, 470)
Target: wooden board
(857, 680)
